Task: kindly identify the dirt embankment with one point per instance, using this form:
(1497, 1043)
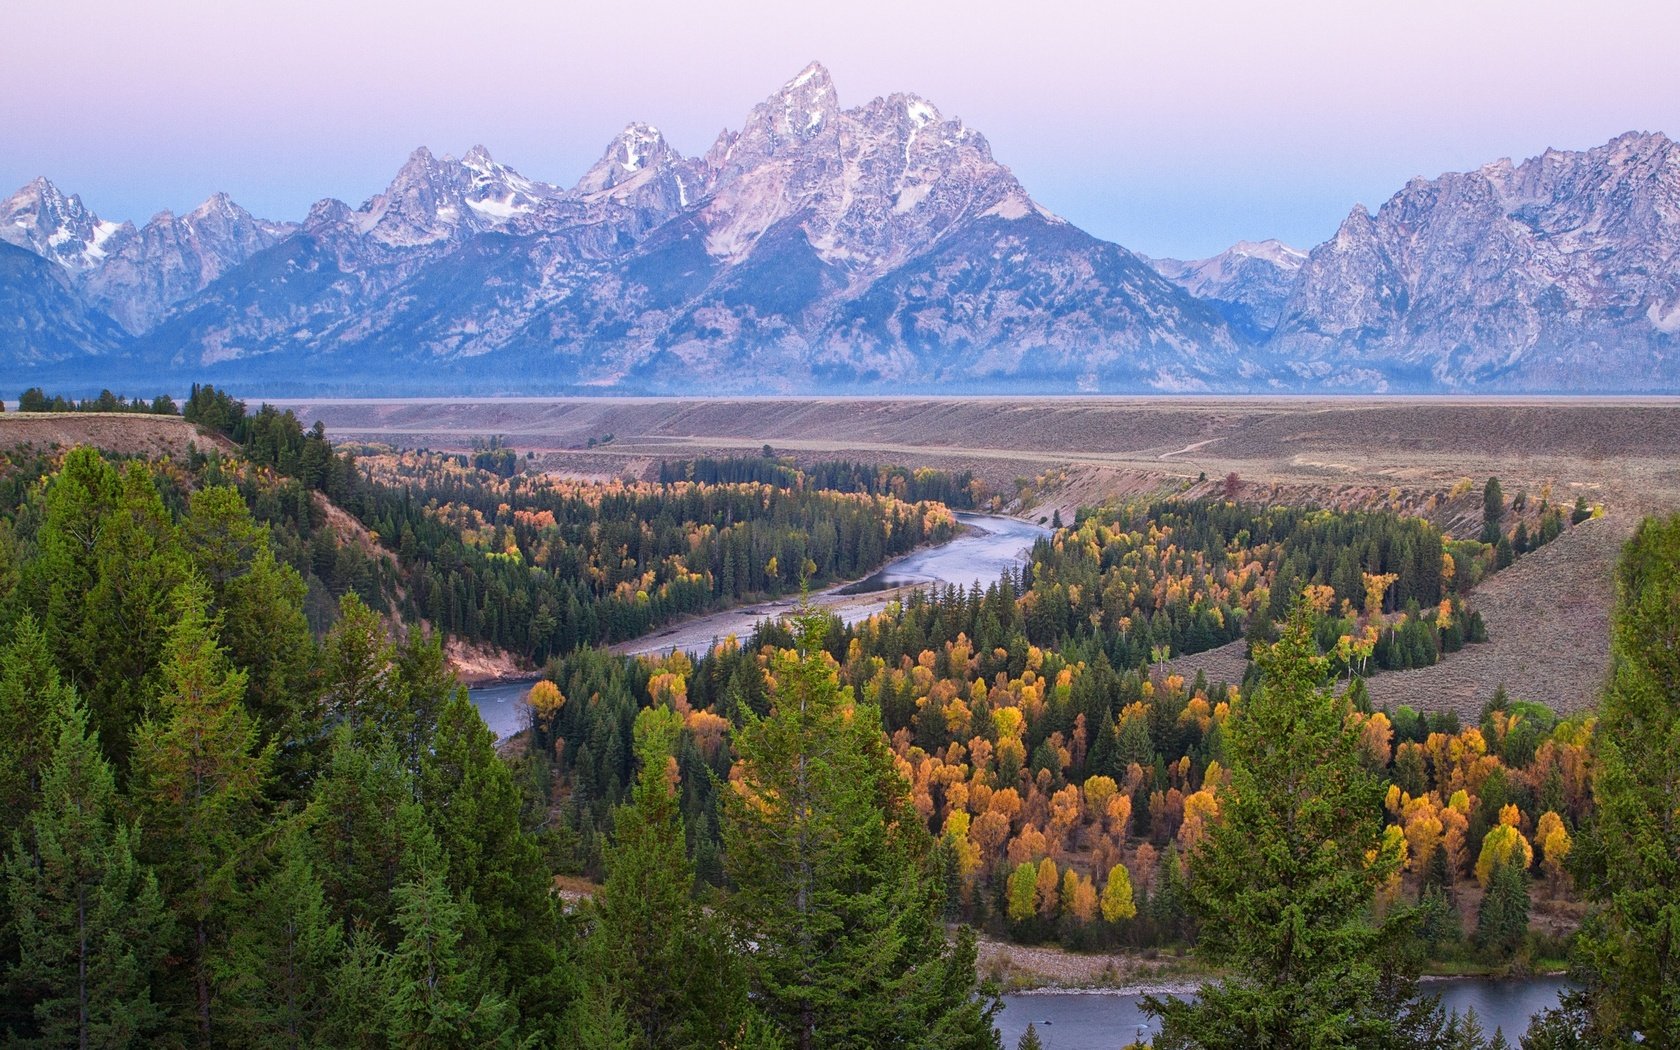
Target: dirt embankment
(122, 433)
(1016, 967)
(483, 664)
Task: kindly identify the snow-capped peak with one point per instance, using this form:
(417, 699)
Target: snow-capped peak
(920, 111)
(815, 72)
(803, 106)
(41, 218)
(432, 199)
(1274, 251)
(219, 204)
(637, 151)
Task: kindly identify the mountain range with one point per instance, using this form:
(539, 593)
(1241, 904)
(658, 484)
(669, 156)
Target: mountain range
(880, 248)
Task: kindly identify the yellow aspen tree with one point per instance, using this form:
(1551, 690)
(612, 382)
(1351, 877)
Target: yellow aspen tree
(1503, 845)
(1117, 902)
(1047, 894)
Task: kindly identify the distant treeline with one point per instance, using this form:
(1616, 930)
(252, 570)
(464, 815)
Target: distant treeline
(36, 400)
(954, 489)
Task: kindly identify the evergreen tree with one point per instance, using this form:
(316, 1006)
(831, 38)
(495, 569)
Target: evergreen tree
(10, 572)
(197, 786)
(276, 977)
(31, 696)
(1284, 880)
(358, 1007)
(833, 878)
(362, 818)
(1493, 511)
(362, 687)
(658, 952)
(260, 605)
(441, 991)
(428, 684)
(126, 616)
(1502, 918)
(473, 808)
(55, 583)
(1030, 1039)
(90, 920)
(1630, 867)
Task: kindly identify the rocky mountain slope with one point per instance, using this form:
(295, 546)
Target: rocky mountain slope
(1248, 283)
(879, 247)
(1558, 274)
(43, 323)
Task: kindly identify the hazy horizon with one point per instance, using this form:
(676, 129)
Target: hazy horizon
(1173, 132)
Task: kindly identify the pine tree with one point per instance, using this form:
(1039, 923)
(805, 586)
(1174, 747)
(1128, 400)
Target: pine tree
(1493, 511)
(358, 1005)
(833, 878)
(260, 604)
(473, 808)
(428, 684)
(197, 785)
(362, 687)
(1030, 1039)
(91, 922)
(441, 992)
(127, 612)
(1284, 880)
(362, 818)
(276, 977)
(10, 574)
(660, 954)
(31, 697)
(55, 583)
(1631, 947)
(1502, 919)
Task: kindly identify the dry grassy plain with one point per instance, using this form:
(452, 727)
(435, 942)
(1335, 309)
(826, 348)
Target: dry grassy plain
(1626, 451)
(1547, 615)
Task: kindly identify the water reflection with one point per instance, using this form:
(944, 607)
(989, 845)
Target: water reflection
(502, 706)
(1106, 1021)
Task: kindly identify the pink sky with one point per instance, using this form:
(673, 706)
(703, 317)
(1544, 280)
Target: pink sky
(1173, 128)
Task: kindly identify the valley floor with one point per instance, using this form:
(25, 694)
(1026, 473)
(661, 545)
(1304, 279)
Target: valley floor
(1547, 616)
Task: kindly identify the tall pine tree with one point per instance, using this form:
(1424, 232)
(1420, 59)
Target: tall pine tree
(91, 922)
(119, 640)
(658, 952)
(440, 990)
(473, 808)
(275, 978)
(1630, 864)
(31, 697)
(1284, 882)
(834, 881)
(197, 785)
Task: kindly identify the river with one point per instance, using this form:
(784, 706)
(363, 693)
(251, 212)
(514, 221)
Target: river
(1107, 1021)
(988, 545)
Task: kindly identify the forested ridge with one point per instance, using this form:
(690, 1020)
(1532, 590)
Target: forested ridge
(537, 565)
